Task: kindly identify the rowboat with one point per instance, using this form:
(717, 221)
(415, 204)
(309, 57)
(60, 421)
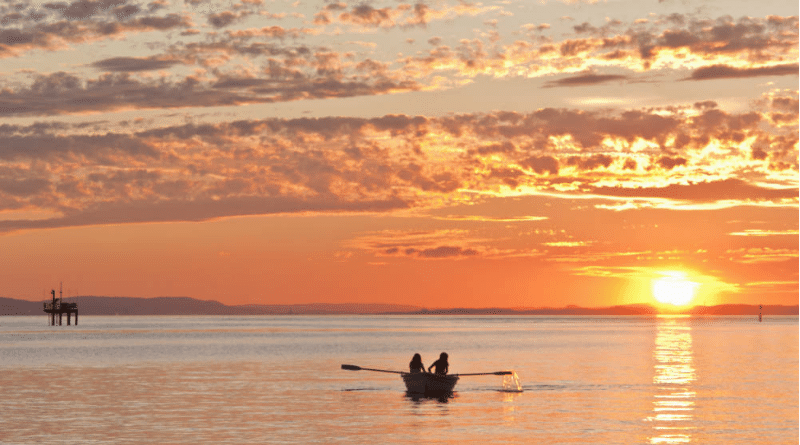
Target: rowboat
(429, 384)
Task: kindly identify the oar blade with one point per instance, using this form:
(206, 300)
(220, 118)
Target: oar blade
(351, 367)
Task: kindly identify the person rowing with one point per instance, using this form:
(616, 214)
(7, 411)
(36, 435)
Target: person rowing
(441, 365)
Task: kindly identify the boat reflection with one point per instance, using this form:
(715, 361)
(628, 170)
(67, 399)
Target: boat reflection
(441, 398)
(673, 381)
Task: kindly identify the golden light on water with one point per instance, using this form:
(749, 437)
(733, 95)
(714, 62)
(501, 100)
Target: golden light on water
(674, 375)
(674, 288)
(511, 383)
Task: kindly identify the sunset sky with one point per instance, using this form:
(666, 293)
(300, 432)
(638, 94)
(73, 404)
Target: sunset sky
(438, 153)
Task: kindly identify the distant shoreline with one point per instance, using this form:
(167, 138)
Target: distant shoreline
(90, 305)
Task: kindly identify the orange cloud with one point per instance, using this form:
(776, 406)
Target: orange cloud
(59, 34)
(695, 156)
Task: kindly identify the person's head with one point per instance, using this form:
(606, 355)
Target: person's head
(443, 356)
(416, 358)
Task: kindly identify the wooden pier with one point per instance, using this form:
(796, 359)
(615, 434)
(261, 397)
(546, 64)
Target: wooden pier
(57, 306)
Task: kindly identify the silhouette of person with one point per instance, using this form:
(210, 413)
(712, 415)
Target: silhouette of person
(416, 364)
(441, 364)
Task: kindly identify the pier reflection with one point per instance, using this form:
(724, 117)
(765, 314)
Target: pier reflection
(673, 380)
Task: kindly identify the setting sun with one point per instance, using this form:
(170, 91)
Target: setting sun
(674, 288)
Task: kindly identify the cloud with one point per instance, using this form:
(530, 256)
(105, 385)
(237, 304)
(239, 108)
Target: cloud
(567, 243)
(404, 16)
(197, 210)
(702, 191)
(668, 42)
(280, 72)
(761, 232)
(585, 79)
(277, 32)
(53, 35)
(694, 155)
(132, 64)
(729, 72)
(222, 19)
(424, 245)
(24, 187)
(83, 9)
(442, 252)
(487, 218)
(90, 147)
(750, 36)
(757, 255)
(671, 162)
(366, 15)
(591, 162)
(541, 164)
(293, 73)
(64, 93)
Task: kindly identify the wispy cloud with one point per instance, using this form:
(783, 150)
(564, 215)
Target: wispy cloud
(761, 232)
(489, 218)
(58, 25)
(567, 243)
(586, 80)
(756, 255)
(131, 64)
(729, 72)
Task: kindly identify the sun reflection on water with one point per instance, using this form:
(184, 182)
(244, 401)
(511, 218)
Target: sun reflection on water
(673, 378)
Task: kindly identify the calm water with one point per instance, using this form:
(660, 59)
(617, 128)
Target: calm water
(203, 380)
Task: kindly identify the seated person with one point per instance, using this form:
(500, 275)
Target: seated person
(441, 364)
(416, 364)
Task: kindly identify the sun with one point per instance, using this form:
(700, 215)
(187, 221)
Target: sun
(674, 288)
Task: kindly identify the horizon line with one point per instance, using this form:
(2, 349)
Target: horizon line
(524, 308)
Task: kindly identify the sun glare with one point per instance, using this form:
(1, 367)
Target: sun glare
(674, 288)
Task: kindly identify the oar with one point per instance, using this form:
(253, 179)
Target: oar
(486, 373)
(359, 368)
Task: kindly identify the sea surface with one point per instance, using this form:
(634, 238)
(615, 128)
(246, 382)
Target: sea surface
(278, 379)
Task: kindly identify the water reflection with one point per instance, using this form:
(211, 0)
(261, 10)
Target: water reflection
(441, 398)
(673, 378)
(511, 383)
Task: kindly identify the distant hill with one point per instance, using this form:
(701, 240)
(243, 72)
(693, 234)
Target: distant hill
(634, 309)
(10, 306)
(743, 309)
(326, 308)
(189, 306)
(150, 306)
(90, 305)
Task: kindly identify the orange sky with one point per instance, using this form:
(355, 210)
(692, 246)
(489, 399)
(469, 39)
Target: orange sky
(436, 153)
